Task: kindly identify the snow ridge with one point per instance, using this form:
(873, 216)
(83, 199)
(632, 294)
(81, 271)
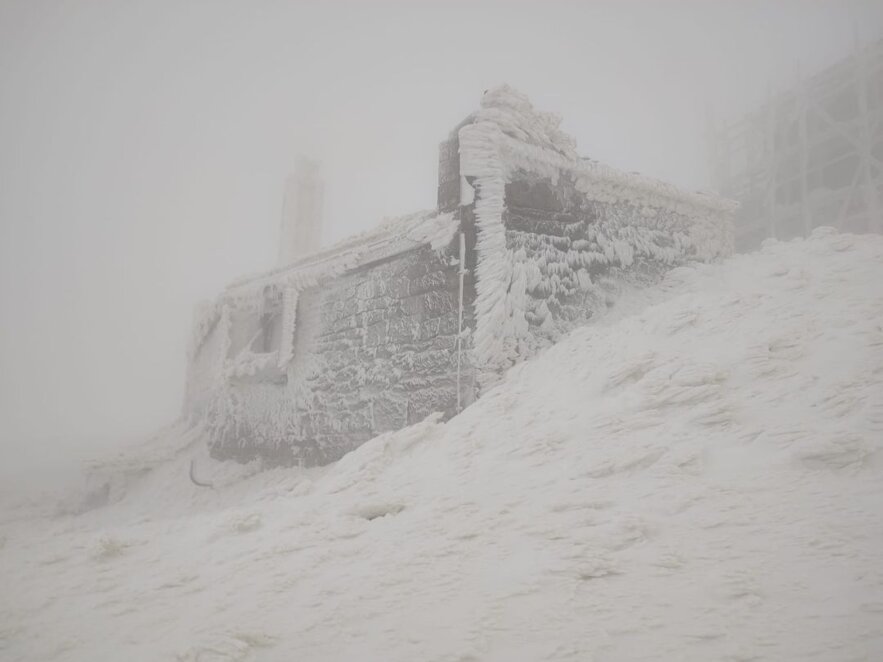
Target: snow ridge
(696, 477)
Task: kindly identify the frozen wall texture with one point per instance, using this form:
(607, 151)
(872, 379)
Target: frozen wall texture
(375, 351)
(550, 223)
(306, 362)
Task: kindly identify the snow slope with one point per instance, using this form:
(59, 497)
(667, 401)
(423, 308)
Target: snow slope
(698, 480)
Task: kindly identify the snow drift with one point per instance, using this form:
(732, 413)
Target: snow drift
(697, 477)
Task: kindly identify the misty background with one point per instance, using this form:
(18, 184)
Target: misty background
(144, 144)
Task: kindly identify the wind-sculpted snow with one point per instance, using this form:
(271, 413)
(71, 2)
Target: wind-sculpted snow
(695, 477)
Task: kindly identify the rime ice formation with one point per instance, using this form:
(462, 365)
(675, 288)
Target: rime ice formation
(509, 142)
(697, 476)
(303, 363)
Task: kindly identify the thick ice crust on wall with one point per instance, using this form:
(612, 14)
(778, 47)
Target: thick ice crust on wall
(540, 255)
(572, 256)
(375, 351)
(305, 362)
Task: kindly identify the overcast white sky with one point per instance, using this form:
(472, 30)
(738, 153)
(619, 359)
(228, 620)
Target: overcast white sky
(143, 146)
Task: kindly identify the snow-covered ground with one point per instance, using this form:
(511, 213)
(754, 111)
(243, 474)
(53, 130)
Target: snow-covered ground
(697, 480)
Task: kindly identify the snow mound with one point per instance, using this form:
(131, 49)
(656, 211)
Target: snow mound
(699, 480)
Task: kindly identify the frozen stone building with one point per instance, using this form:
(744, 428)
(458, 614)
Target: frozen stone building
(305, 362)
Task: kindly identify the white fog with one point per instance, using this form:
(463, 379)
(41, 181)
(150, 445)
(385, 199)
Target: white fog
(144, 150)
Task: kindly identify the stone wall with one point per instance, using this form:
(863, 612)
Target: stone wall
(375, 350)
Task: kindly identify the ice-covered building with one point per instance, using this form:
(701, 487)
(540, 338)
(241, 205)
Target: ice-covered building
(305, 362)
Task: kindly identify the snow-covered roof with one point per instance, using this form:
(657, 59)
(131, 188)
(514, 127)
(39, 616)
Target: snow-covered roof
(393, 236)
(530, 138)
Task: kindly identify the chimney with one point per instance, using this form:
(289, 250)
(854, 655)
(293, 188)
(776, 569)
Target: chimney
(449, 173)
(301, 231)
(453, 189)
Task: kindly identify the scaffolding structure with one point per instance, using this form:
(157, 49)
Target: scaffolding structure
(810, 156)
